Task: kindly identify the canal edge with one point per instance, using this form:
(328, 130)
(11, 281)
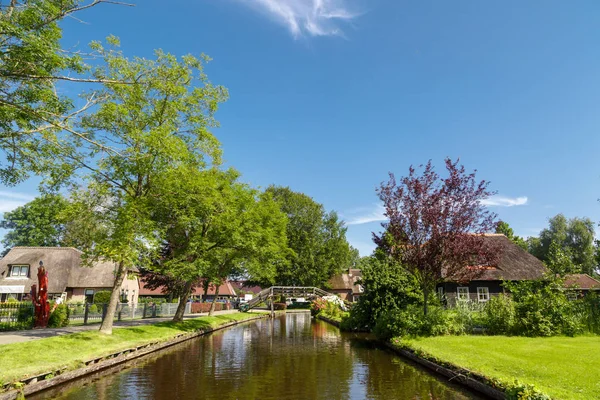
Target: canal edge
(101, 363)
(468, 379)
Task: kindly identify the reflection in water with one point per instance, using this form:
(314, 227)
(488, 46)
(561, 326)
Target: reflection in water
(291, 357)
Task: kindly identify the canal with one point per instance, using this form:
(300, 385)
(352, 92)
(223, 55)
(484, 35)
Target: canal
(290, 357)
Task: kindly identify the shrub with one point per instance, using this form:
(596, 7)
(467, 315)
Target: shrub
(279, 306)
(25, 314)
(102, 297)
(408, 322)
(317, 306)
(520, 391)
(499, 315)
(299, 306)
(59, 317)
(93, 309)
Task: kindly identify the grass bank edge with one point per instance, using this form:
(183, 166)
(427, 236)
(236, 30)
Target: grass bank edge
(541, 381)
(19, 361)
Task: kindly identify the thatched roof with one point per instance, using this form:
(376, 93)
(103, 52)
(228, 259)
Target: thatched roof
(64, 268)
(515, 264)
(346, 281)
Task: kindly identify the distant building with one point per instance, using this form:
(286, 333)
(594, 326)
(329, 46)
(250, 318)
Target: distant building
(514, 264)
(346, 285)
(67, 277)
(582, 283)
(240, 287)
(226, 292)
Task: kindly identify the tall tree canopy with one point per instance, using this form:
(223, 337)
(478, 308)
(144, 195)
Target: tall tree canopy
(574, 238)
(436, 225)
(316, 237)
(213, 227)
(507, 231)
(137, 133)
(37, 223)
(36, 116)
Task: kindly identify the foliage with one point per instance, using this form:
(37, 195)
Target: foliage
(542, 309)
(102, 297)
(59, 317)
(387, 288)
(37, 223)
(317, 306)
(499, 314)
(573, 238)
(521, 391)
(279, 306)
(507, 231)
(436, 225)
(36, 116)
(317, 240)
(299, 306)
(93, 309)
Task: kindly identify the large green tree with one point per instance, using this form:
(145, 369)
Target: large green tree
(213, 227)
(135, 134)
(574, 236)
(37, 116)
(507, 231)
(317, 238)
(37, 223)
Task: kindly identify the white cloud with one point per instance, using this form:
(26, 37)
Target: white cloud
(365, 215)
(307, 17)
(502, 201)
(11, 200)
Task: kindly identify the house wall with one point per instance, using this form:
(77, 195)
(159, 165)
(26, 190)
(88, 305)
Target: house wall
(130, 285)
(345, 294)
(451, 290)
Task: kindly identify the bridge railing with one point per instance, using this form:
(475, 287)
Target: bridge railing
(288, 291)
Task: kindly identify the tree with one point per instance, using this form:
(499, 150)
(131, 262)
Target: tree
(560, 260)
(36, 116)
(436, 225)
(213, 227)
(317, 239)
(574, 236)
(507, 231)
(137, 133)
(37, 223)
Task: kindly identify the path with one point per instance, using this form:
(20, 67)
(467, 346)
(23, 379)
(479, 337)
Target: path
(33, 334)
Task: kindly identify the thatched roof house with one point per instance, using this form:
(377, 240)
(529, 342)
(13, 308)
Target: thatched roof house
(346, 285)
(66, 274)
(582, 282)
(226, 291)
(514, 264)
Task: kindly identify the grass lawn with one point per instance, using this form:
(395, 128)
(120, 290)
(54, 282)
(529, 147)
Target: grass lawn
(20, 360)
(561, 367)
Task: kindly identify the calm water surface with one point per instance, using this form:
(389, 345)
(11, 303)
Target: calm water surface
(291, 357)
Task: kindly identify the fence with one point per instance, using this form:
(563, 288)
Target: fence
(18, 316)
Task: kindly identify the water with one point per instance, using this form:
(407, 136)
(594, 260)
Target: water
(291, 357)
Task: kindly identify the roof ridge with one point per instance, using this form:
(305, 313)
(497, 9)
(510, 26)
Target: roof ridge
(48, 248)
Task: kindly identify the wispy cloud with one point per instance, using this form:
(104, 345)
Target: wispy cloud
(11, 200)
(365, 215)
(307, 17)
(502, 201)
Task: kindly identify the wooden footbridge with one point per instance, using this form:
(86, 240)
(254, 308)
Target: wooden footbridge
(308, 292)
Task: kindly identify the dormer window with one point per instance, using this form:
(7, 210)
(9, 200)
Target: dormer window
(19, 271)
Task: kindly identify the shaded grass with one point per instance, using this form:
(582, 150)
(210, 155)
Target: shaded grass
(21, 360)
(562, 367)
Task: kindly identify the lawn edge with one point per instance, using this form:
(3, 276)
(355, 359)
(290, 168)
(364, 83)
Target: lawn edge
(34, 385)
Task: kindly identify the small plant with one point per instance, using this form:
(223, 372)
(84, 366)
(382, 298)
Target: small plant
(59, 317)
(521, 391)
(102, 297)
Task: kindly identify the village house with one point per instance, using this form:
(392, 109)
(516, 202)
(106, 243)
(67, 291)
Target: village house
(582, 284)
(514, 264)
(67, 277)
(226, 292)
(346, 285)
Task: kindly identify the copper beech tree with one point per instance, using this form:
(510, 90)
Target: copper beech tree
(436, 225)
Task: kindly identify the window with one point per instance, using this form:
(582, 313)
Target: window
(440, 292)
(19, 271)
(89, 296)
(463, 293)
(483, 294)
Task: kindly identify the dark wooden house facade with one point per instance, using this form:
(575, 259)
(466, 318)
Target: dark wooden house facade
(514, 264)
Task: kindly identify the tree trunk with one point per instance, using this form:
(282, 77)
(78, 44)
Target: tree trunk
(205, 284)
(214, 302)
(107, 323)
(178, 317)
(425, 299)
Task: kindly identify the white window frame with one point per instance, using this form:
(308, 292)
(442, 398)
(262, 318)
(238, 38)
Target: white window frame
(485, 292)
(440, 292)
(21, 268)
(458, 293)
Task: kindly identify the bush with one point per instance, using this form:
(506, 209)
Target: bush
(93, 309)
(59, 317)
(590, 305)
(299, 306)
(25, 314)
(499, 315)
(317, 306)
(520, 391)
(102, 297)
(279, 306)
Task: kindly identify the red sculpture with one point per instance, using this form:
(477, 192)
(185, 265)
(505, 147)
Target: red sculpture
(40, 300)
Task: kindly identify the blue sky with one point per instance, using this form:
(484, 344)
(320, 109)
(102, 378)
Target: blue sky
(329, 96)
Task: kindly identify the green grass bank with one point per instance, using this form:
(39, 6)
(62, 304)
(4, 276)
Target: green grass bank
(561, 367)
(21, 360)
